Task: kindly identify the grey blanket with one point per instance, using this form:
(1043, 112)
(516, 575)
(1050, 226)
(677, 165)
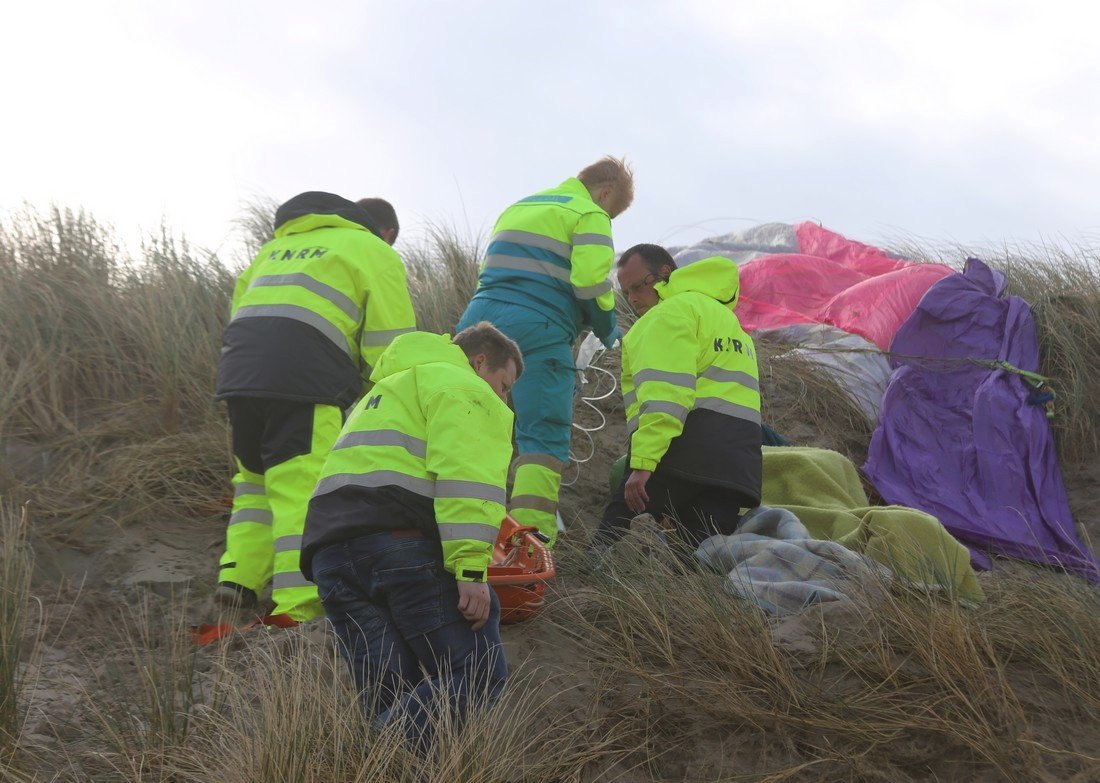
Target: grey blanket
(773, 561)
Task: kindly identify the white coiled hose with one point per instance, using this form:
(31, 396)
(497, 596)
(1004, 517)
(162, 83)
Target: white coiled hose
(590, 352)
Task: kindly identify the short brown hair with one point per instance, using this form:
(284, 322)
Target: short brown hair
(487, 339)
(615, 172)
(653, 256)
(382, 213)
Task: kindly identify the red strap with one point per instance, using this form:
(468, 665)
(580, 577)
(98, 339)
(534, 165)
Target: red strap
(208, 633)
(279, 620)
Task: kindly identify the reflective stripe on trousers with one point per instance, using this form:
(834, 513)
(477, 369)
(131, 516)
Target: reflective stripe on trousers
(263, 538)
(289, 487)
(247, 560)
(535, 493)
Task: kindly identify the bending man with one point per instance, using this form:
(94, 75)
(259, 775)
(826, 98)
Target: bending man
(401, 528)
(297, 352)
(692, 395)
(543, 279)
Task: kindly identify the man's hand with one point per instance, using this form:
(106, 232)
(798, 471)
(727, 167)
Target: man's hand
(474, 603)
(636, 496)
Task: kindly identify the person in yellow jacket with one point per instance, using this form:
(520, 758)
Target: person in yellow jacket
(544, 278)
(691, 388)
(401, 527)
(310, 317)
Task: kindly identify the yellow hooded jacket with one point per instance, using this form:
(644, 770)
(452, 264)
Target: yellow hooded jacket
(427, 449)
(315, 308)
(691, 384)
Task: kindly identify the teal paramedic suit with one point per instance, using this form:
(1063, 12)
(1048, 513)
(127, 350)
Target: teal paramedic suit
(544, 278)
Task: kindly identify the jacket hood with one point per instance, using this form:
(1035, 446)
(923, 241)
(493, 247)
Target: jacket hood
(716, 277)
(416, 348)
(316, 209)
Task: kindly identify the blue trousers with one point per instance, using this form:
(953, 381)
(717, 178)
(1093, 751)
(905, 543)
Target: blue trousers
(411, 653)
(543, 396)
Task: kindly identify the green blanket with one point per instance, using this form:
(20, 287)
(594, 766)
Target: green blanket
(822, 488)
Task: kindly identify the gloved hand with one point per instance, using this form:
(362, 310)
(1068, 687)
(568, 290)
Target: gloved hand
(612, 340)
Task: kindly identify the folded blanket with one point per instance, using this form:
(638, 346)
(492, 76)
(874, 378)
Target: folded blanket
(823, 490)
(773, 561)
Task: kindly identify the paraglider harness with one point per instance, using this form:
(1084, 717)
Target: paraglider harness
(1041, 391)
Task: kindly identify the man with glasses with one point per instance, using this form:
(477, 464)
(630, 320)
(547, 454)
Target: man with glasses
(692, 394)
(639, 269)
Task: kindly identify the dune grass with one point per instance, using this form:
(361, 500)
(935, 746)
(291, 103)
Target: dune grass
(807, 405)
(108, 360)
(442, 272)
(86, 329)
(108, 364)
(897, 685)
(307, 725)
(16, 565)
(278, 706)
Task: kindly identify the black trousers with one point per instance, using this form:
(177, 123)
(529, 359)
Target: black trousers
(699, 510)
(268, 432)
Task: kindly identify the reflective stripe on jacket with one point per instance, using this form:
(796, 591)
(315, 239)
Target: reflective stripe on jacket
(691, 384)
(553, 253)
(431, 437)
(316, 307)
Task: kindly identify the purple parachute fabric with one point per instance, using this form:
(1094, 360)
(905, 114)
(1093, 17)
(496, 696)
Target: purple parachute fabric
(961, 441)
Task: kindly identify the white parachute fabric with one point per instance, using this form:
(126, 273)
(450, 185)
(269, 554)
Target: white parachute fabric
(857, 365)
(741, 246)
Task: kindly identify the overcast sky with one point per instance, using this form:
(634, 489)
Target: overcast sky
(966, 120)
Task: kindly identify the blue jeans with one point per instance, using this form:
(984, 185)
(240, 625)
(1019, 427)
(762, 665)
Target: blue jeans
(411, 652)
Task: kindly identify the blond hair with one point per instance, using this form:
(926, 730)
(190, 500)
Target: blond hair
(615, 172)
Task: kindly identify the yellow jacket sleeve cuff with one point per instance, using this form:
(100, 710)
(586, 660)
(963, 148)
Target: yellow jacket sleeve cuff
(471, 569)
(641, 463)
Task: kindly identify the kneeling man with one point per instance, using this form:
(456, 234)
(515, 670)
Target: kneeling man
(692, 394)
(401, 527)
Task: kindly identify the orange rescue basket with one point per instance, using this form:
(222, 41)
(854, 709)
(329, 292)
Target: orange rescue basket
(521, 566)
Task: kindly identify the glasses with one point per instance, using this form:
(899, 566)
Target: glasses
(646, 282)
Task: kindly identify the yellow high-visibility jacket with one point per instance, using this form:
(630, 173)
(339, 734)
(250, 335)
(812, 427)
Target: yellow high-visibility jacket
(427, 449)
(691, 384)
(552, 253)
(316, 307)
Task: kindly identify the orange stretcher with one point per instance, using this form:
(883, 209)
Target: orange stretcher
(521, 566)
(520, 569)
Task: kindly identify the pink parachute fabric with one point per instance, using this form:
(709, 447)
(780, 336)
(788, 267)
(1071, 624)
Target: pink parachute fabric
(834, 281)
